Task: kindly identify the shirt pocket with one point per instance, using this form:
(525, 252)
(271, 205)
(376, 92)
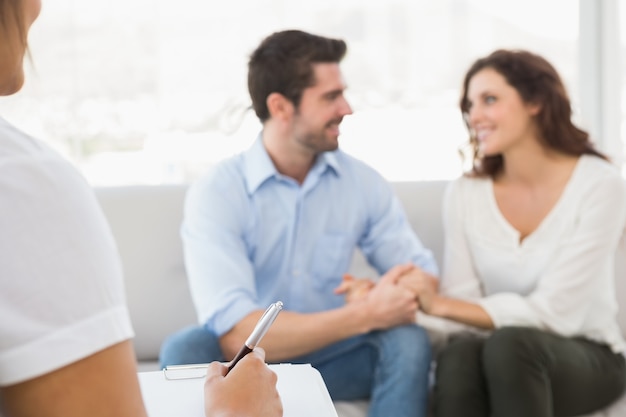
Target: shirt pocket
(331, 259)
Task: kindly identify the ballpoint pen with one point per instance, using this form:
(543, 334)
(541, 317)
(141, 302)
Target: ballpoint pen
(257, 334)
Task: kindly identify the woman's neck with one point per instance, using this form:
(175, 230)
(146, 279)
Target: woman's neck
(536, 166)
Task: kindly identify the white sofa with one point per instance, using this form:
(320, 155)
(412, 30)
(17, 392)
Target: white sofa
(145, 221)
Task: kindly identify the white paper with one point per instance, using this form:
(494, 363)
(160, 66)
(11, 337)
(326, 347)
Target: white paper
(301, 388)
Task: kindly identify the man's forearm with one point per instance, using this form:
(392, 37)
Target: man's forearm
(296, 334)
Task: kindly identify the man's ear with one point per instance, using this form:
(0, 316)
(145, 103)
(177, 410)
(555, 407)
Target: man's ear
(279, 106)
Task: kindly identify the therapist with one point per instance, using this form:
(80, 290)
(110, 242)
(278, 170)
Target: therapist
(65, 332)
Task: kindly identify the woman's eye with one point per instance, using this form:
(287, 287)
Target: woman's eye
(490, 99)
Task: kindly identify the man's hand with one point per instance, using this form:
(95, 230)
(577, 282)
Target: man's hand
(424, 286)
(390, 304)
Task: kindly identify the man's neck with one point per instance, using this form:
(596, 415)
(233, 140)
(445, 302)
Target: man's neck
(288, 158)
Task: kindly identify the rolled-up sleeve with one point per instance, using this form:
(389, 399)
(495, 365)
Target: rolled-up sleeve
(220, 273)
(389, 239)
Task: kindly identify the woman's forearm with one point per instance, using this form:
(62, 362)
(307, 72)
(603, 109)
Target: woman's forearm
(460, 311)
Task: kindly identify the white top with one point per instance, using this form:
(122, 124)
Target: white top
(561, 277)
(61, 289)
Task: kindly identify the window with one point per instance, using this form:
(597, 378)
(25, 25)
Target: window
(620, 78)
(154, 91)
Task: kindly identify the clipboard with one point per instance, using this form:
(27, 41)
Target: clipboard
(178, 391)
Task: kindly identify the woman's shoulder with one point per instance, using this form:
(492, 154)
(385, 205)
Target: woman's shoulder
(598, 172)
(598, 182)
(468, 183)
(15, 144)
(468, 190)
(596, 167)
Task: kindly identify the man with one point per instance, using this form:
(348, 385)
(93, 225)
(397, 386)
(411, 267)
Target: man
(281, 221)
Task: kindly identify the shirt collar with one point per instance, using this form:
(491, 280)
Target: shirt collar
(258, 165)
(326, 161)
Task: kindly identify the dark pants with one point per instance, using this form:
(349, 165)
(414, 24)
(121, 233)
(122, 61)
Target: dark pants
(525, 372)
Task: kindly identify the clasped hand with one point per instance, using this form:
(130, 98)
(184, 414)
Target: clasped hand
(423, 286)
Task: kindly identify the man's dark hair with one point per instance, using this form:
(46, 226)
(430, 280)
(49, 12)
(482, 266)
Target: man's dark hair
(283, 63)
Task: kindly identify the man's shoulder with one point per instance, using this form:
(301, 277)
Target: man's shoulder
(226, 174)
(356, 167)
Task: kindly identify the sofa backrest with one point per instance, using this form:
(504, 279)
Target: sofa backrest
(145, 221)
(422, 205)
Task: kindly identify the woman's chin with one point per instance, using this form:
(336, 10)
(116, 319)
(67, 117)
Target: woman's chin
(486, 151)
(11, 85)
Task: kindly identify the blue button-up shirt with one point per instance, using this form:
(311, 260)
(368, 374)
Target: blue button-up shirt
(253, 236)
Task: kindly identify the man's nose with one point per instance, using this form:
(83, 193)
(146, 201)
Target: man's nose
(345, 108)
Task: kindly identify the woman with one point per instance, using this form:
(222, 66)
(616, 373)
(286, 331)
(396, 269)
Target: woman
(65, 332)
(530, 235)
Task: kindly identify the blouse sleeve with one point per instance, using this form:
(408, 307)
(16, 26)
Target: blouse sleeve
(61, 285)
(459, 278)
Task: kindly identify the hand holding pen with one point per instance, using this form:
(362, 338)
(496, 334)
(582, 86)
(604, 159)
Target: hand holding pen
(257, 334)
(250, 390)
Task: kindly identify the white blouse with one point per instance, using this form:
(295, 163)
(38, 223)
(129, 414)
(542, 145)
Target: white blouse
(560, 278)
(61, 285)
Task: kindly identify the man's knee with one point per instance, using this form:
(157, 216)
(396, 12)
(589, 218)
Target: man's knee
(193, 344)
(409, 343)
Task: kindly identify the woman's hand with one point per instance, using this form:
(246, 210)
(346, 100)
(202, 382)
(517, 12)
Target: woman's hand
(354, 288)
(249, 389)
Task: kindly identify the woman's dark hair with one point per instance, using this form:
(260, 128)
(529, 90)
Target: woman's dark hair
(537, 82)
(283, 64)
